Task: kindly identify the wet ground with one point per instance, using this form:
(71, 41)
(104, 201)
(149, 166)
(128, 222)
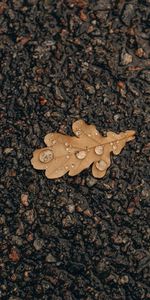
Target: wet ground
(74, 237)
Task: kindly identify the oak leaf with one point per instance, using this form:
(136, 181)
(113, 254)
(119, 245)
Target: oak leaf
(72, 154)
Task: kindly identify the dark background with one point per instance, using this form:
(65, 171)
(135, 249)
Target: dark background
(74, 237)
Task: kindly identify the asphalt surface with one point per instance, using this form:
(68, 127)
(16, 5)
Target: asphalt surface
(75, 237)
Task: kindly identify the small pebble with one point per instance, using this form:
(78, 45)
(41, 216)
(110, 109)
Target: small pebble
(24, 199)
(30, 216)
(90, 89)
(70, 208)
(124, 279)
(14, 255)
(128, 13)
(8, 150)
(126, 58)
(50, 258)
(91, 181)
(140, 52)
(38, 244)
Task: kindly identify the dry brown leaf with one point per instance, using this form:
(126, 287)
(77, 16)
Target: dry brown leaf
(73, 154)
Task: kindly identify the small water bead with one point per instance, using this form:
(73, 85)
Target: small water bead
(81, 154)
(67, 156)
(111, 144)
(66, 144)
(66, 167)
(101, 165)
(89, 135)
(72, 165)
(99, 150)
(78, 132)
(46, 156)
(114, 147)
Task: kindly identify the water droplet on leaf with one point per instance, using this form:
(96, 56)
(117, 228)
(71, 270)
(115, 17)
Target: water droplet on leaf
(81, 154)
(114, 147)
(46, 156)
(101, 165)
(99, 150)
(66, 144)
(53, 142)
(78, 132)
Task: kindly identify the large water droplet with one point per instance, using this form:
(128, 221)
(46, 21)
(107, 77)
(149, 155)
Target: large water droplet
(99, 150)
(81, 154)
(46, 155)
(101, 165)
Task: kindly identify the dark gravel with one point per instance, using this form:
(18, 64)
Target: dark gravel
(74, 237)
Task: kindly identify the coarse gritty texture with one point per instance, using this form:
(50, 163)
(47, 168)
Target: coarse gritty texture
(74, 237)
